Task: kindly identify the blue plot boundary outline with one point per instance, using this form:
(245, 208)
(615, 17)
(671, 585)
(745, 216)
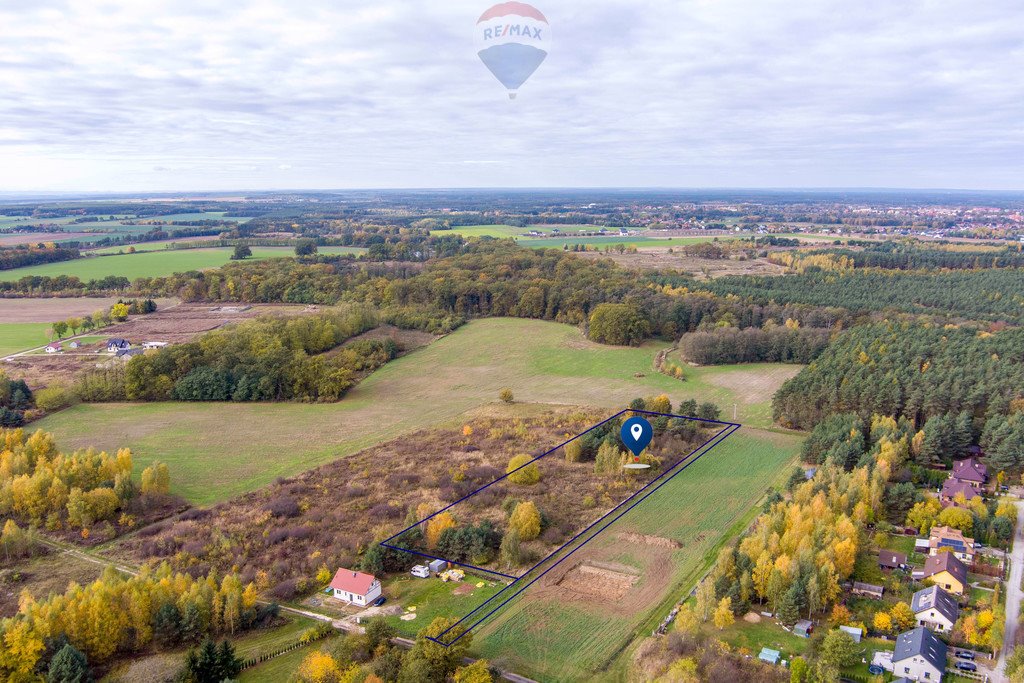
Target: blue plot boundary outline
(728, 428)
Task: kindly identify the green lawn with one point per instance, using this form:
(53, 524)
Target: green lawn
(637, 241)
(148, 264)
(435, 598)
(551, 639)
(281, 668)
(21, 336)
(219, 450)
(269, 640)
(767, 633)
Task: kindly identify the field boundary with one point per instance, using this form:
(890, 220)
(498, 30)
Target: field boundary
(387, 541)
(727, 428)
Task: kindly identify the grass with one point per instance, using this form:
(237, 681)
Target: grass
(164, 665)
(766, 633)
(270, 640)
(504, 231)
(280, 668)
(163, 246)
(434, 598)
(219, 450)
(147, 264)
(20, 336)
(555, 640)
(611, 241)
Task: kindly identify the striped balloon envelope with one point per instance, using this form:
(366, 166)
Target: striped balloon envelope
(512, 39)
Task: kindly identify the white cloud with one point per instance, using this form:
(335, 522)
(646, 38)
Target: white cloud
(98, 95)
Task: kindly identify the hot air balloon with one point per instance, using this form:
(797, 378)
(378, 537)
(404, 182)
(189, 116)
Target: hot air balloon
(512, 39)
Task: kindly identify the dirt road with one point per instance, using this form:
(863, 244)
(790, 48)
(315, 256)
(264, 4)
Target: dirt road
(1013, 593)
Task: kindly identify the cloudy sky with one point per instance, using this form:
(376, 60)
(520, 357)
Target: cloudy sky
(150, 95)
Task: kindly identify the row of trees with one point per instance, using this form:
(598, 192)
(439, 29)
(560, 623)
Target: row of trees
(22, 256)
(116, 615)
(117, 312)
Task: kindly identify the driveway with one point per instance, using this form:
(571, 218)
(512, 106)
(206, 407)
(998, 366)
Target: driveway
(1013, 593)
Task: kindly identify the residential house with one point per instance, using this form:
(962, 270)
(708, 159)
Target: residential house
(53, 347)
(954, 539)
(935, 609)
(946, 571)
(869, 590)
(953, 487)
(970, 470)
(115, 344)
(890, 559)
(355, 587)
(919, 656)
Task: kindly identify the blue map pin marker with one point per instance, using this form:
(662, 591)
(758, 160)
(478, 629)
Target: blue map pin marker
(636, 434)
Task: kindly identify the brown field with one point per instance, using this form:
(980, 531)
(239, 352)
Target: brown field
(407, 340)
(13, 239)
(332, 513)
(48, 573)
(658, 258)
(49, 310)
(756, 383)
(184, 322)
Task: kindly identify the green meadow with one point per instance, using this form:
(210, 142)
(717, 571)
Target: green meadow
(551, 639)
(219, 450)
(20, 336)
(155, 263)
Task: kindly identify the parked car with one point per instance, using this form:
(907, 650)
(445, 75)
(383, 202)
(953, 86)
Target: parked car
(379, 601)
(966, 666)
(964, 654)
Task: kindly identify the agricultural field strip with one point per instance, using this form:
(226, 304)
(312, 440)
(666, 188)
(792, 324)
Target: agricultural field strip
(667, 476)
(385, 543)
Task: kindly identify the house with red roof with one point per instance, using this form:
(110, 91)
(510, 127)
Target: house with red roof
(971, 471)
(355, 587)
(952, 487)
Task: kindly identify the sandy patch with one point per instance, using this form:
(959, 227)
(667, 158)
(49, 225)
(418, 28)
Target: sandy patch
(754, 385)
(48, 310)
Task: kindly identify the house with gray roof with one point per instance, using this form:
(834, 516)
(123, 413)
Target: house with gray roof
(919, 655)
(935, 609)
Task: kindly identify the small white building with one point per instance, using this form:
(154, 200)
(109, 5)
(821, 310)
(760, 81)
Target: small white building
(355, 587)
(53, 348)
(154, 344)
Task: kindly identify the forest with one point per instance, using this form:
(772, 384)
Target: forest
(913, 370)
(904, 256)
(981, 295)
